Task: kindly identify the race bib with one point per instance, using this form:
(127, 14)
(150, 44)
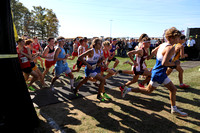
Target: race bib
(24, 59)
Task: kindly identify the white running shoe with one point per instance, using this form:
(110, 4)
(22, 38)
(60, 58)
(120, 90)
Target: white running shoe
(125, 91)
(177, 112)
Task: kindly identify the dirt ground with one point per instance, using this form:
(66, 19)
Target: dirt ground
(134, 113)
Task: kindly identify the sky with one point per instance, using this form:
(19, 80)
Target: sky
(120, 18)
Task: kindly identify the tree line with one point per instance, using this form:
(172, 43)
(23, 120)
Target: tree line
(41, 22)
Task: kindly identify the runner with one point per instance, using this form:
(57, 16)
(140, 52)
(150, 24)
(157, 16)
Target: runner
(112, 54)
(75, 50)
(81, 49)
(24, 55)
(179, 50)
(36, 48)
(61, 65)
(106, 54)
(48, 54)
(164, 54)
(33, 66)
(139, 67)
(91, 69)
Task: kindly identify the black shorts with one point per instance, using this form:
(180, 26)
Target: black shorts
(113, 59)
(141, 72)
(27, 70)
(79, 64)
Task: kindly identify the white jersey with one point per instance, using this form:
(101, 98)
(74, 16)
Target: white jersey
(80, 48)
(94, 59)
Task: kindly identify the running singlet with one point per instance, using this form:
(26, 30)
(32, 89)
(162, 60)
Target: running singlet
(93, 62)
(105, 54)
(61, 63)
(177, 55)
(112, 49)
(80, 48)
(141, 65)
(23, 60)
(36, 46)
(51, 53)
(159, 71)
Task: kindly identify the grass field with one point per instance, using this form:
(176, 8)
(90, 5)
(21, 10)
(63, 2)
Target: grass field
(134, 113)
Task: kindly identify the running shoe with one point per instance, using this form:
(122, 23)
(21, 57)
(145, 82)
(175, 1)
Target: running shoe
(126, 62)
(125, 91)
(114, 69)
(101, 98)
(184, 86)
(74, 66)
(121, 89)
(105, 95)
(141, 85)
(75, 92)
(177, 112)
(31, 88)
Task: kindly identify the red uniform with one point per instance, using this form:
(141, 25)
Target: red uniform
(23, 60)
(36, 46)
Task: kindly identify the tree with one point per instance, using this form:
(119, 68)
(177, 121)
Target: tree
(41, 22)
(52, 23)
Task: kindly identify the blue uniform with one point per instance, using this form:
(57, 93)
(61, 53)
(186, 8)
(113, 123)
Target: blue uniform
(159, 75)
(61, 66)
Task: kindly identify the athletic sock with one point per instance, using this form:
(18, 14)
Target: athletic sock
(181, 84)
(174, 108)
(72, 82)
(129, 89)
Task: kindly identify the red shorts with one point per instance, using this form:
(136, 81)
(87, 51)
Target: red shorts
(74, 53)
(49, 64)
(103, 69)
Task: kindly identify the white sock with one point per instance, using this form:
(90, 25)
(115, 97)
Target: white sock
(72, 82)
(174, 108)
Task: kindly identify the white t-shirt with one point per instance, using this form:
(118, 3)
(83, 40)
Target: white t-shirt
(190, 43)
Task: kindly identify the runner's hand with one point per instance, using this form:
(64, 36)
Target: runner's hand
(177, 62)
(89, 66)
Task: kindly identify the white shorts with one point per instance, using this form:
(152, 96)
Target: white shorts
(156, 84)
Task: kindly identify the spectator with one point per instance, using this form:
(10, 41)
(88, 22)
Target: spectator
(190, 47)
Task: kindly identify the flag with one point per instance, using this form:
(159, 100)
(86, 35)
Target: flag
(14, 28)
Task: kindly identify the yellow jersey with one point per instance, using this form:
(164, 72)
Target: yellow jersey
(177, 55)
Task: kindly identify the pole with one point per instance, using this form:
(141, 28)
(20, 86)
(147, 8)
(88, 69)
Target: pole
(111, 28)
(17, 112)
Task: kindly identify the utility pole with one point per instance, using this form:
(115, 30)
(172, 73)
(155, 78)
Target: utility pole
(111, 28)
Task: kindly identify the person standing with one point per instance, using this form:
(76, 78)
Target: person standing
(190, 47)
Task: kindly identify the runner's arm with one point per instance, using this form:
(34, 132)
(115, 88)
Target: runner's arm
(182, 54)
(153, 53)
(81, 57)
(133, 52)
(168, 53)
